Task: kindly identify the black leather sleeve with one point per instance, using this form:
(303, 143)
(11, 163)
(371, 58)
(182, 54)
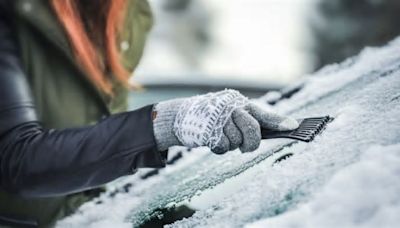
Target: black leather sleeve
(37, 162)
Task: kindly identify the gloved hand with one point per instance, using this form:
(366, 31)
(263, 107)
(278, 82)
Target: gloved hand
(222, 121)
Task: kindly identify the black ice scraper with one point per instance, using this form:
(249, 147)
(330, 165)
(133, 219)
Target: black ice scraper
(308, 129)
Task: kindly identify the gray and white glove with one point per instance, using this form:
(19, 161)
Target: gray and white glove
(222, 121)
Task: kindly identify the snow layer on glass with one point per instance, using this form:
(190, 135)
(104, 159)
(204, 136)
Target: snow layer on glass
(362, 94)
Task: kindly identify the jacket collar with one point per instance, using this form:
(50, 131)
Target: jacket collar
(39, 14)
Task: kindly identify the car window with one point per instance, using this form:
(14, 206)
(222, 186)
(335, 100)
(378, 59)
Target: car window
(237, 189)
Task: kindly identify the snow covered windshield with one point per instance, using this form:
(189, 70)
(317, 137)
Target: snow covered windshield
(347, 177)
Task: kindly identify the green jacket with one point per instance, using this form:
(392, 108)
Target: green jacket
(64, 96)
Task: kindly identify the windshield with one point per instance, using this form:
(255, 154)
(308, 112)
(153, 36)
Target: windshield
(236, 189)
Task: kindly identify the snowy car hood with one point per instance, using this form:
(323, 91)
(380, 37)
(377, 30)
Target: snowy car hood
(347, 177)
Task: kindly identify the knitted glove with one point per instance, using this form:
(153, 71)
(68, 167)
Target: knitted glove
(222, 121)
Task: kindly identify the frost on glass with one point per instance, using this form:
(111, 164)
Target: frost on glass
(234, 190)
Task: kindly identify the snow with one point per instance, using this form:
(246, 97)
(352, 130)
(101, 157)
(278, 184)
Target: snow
(365, 194)
(347, 177)
(113, 211)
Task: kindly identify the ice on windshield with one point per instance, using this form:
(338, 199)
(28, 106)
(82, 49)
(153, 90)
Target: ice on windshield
(362, 94)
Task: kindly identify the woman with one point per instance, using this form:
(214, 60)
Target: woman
(64, 67)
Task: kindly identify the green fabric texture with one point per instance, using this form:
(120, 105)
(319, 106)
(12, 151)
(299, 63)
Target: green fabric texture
(63, 94)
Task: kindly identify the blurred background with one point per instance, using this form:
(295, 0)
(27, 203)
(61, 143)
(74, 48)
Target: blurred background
(255, 46)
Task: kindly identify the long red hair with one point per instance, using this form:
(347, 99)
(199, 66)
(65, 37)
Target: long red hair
(85, 49)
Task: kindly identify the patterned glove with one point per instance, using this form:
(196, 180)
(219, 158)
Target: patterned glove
(222, 121)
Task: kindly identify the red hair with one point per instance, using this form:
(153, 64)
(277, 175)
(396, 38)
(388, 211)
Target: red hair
(85, 50)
